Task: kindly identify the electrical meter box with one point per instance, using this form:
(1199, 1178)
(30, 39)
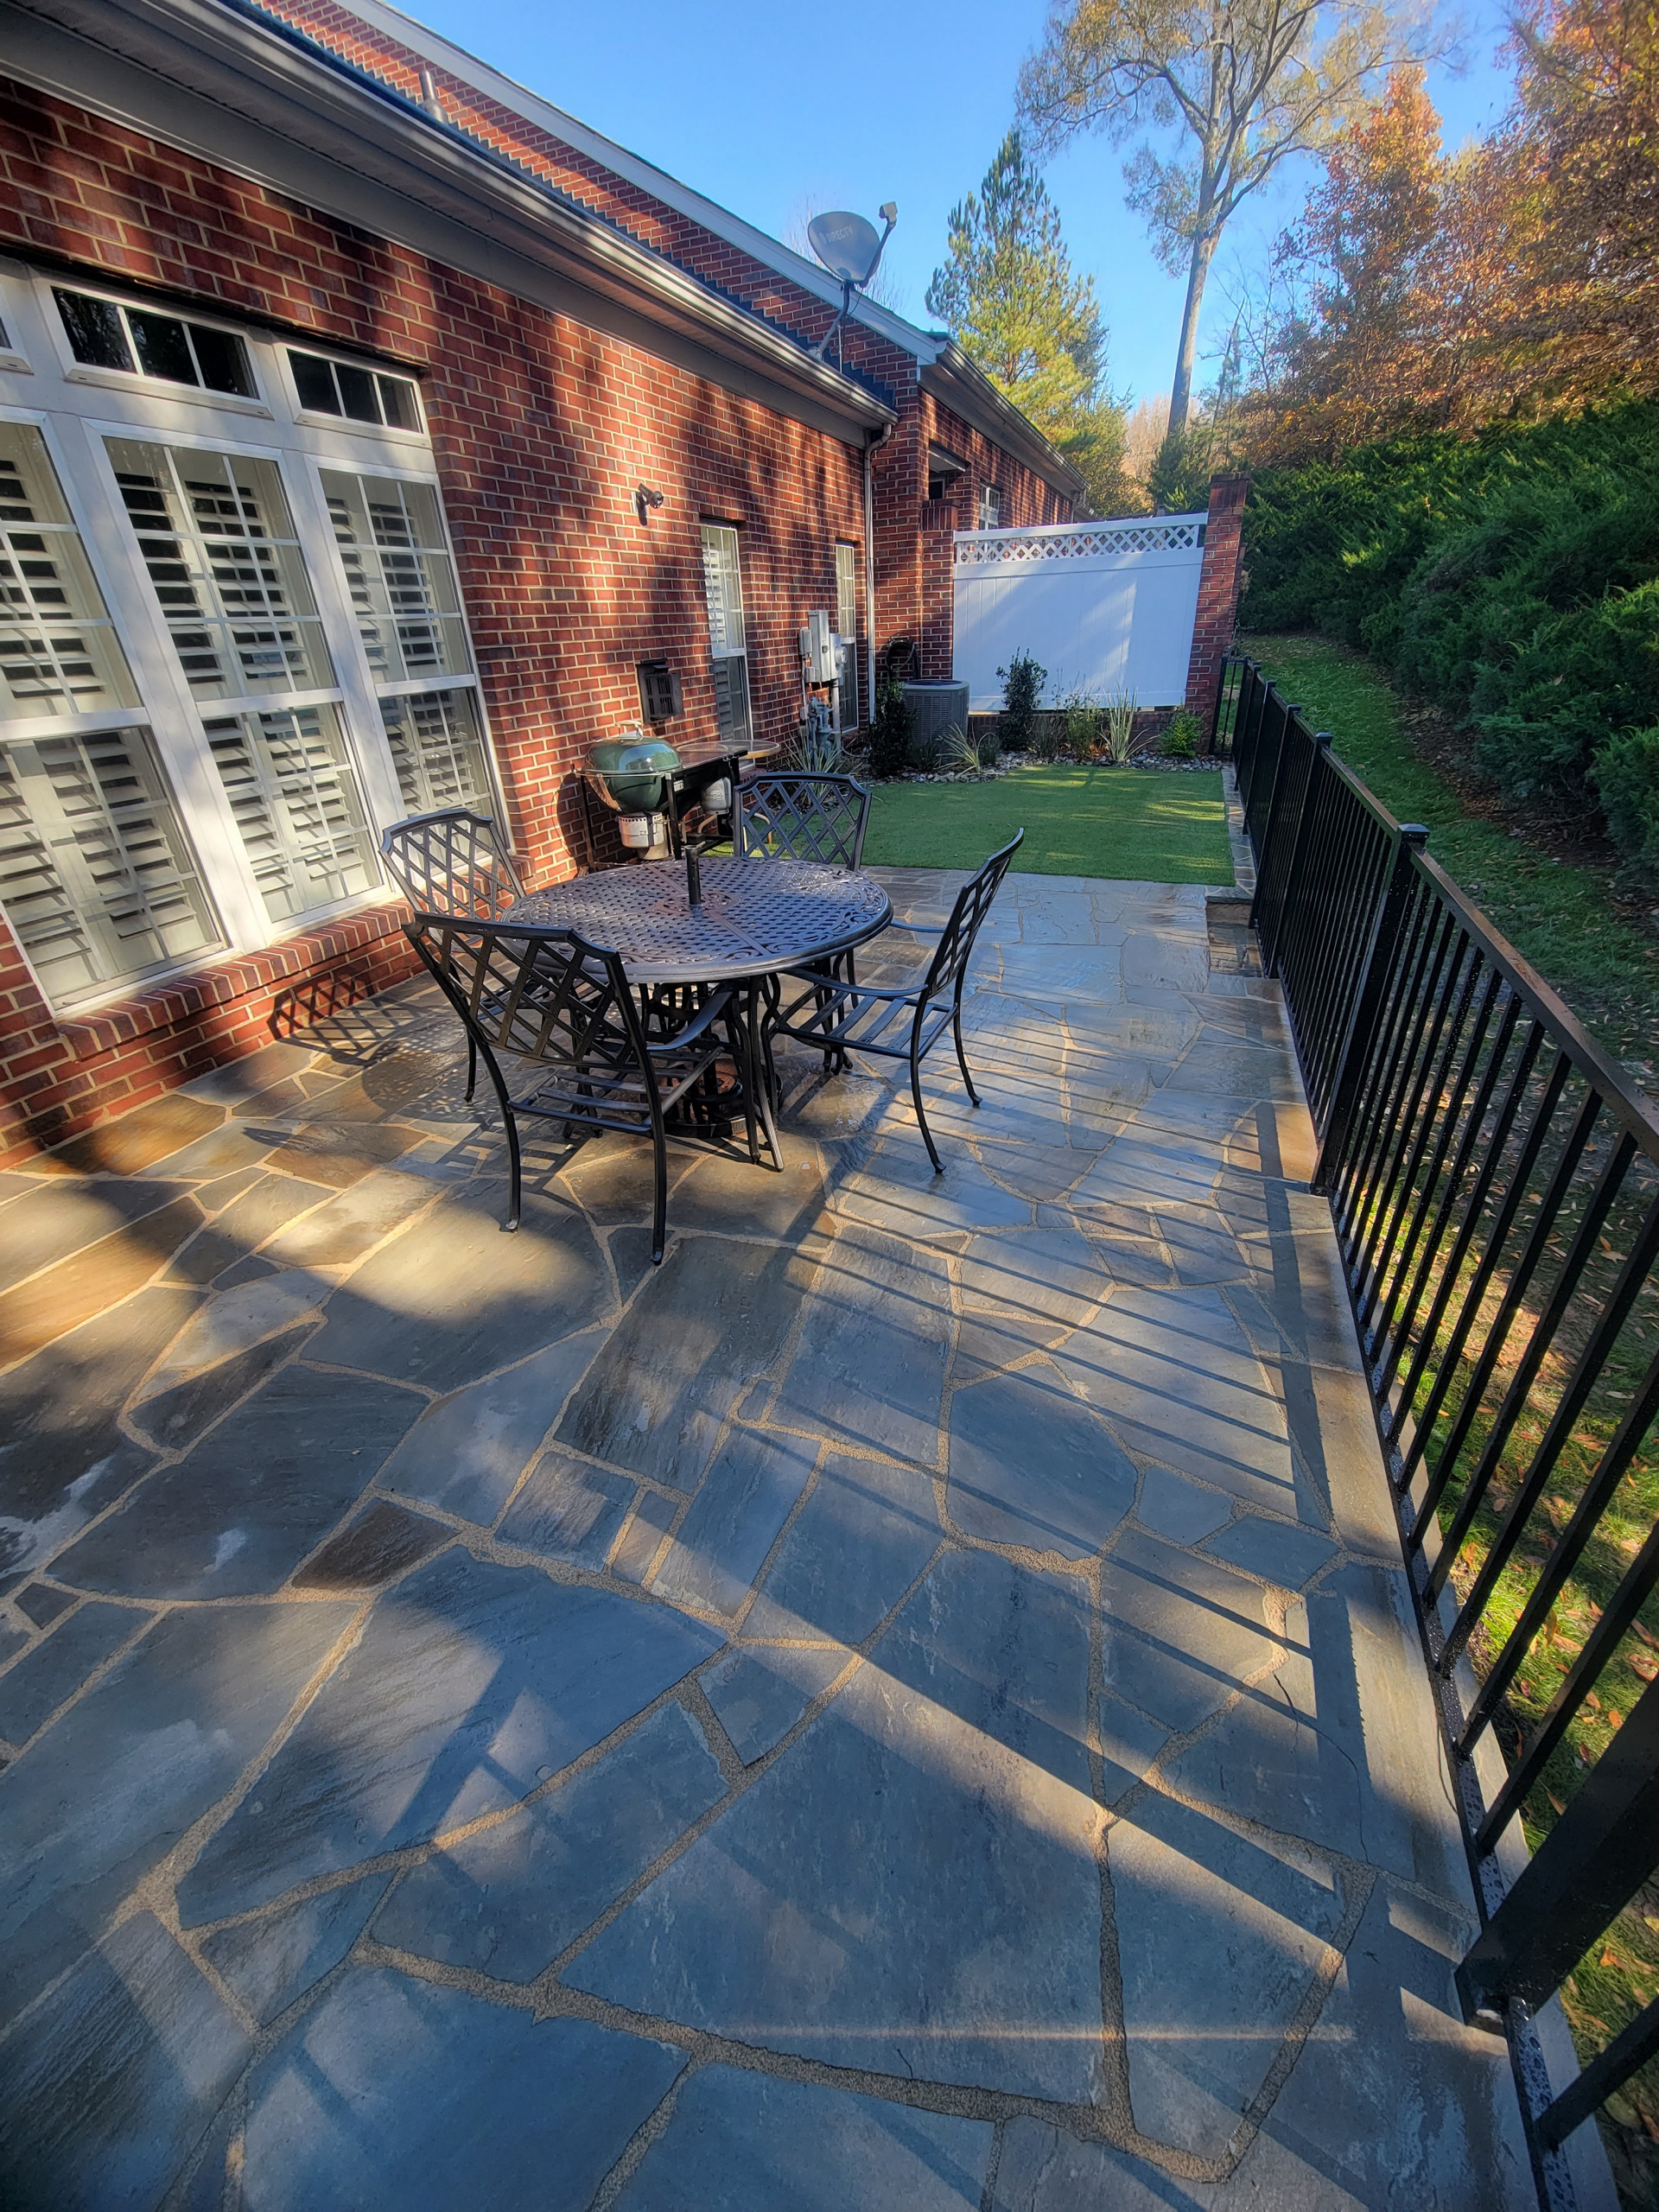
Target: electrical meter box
(818, 649)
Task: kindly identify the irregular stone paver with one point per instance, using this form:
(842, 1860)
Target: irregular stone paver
(238, 1513)
(570, 1670)
(859, 1542)
(567, 1509)
(744, 1500)
(751, 2144)
(270, 1962)
(759, 1694)
(508, 1900)
(396, 2092)
(34, 1689)
(913, 1885)
(1219, 1939)
(452, 1299)
(95, 1803)
(672, 1372)
(102, 2098)
(1031, 1465)
(466, 1453)
(472, 1684)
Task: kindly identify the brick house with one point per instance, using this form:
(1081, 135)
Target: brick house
(334, 368)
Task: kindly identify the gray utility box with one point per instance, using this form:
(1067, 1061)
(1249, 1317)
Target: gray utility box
(934, 707)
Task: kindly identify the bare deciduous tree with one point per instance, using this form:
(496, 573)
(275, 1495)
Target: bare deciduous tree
(1216, 95)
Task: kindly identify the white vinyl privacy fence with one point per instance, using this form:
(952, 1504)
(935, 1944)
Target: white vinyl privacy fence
(1106, 607)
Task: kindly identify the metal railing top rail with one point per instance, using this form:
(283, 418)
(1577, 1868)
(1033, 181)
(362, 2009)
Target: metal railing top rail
(1494, 1181)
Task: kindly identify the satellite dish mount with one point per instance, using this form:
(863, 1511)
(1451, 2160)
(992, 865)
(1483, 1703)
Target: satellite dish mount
(850, 248)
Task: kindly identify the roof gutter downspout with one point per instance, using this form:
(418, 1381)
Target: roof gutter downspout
(872, 446)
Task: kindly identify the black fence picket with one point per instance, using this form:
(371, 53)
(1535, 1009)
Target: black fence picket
(1494, 1183)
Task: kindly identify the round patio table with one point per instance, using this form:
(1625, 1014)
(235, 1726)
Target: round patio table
(756, 919)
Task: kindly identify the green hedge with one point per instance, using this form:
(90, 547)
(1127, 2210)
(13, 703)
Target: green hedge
(1513, 577)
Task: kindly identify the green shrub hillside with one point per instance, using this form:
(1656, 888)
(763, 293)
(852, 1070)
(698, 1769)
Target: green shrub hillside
(1513, 577)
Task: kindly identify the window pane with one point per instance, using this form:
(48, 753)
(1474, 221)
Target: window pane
(313, 380)
(400, 575)
(162, 346)
(398, 399)
(223, 360)
(59, 653)
(846, 591)
(296, 804)
(219, 544)
(94, 330)
(723, 589)
(357, 393)
(438, 749)
(96, 874)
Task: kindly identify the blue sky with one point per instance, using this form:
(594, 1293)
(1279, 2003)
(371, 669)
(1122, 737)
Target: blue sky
(767, 108)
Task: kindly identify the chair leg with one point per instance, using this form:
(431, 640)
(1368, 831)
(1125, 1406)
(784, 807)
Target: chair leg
(916, 1095)
(760, 1060)
(743, 1052)
(962, 1056)
(472, 1068)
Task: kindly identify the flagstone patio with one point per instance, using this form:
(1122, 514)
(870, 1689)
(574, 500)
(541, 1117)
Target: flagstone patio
(913, 1704)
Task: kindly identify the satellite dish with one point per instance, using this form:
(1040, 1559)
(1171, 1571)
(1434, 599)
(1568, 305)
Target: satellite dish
(847, 246)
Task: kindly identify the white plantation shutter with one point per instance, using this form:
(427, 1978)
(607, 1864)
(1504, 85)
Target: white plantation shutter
(847, 591)
(438, 749)
(96, 877)
(723, 586)
(400, 574)
(296, 802)
(59, 653)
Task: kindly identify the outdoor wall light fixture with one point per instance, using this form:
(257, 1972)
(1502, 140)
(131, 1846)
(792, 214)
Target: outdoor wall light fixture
(646, 497)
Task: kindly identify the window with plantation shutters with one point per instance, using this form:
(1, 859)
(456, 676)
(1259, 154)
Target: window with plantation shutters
(228, 568)
(231, 652)
(295, 801)
(59, 653)
(727, 641)
(400, 576)
(96, 880)
(438, 750)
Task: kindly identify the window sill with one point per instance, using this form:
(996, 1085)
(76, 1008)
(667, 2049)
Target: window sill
(220, 982)
(313, 418)
(16, 362)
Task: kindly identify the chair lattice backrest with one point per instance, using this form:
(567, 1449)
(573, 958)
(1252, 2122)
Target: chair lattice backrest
(546, 996)
(955, 944)
(452, 863)
(801, 817)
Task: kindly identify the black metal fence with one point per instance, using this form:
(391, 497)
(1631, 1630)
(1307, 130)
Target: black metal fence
(1494, 1181)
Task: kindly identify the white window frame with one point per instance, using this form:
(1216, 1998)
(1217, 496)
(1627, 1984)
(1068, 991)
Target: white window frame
(313, 418)
(76, 409)
(74, 371)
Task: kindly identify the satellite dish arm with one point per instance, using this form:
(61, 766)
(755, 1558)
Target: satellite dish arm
(889, 214)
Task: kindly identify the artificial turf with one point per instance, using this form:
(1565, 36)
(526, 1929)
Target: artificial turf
(1136, 824)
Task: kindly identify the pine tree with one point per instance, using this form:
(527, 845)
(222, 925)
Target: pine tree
(1008, 294)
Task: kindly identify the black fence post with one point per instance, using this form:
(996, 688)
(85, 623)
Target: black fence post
(1298, 851)
(1368, 1007)
(1244, 770)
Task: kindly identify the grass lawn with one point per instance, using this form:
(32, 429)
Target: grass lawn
(1139, 824)
(1601, 956)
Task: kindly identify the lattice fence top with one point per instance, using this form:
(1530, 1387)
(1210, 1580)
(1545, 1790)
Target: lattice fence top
(756, 916)
(981, 549)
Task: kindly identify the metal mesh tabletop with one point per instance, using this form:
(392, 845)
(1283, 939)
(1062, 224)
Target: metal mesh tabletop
(756, 916)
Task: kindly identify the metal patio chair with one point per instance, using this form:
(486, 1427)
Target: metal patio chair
(840, 1016)
(798, 817)
(550, 998)
(453, 862)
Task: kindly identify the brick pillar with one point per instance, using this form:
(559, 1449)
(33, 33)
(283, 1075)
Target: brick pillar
(1212, 630)
(940, 524)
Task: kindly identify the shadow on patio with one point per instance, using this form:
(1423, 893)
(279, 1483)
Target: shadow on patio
(914, 1703)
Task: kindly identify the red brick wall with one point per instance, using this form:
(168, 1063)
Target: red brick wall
(542, 429)
(1218, 615)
